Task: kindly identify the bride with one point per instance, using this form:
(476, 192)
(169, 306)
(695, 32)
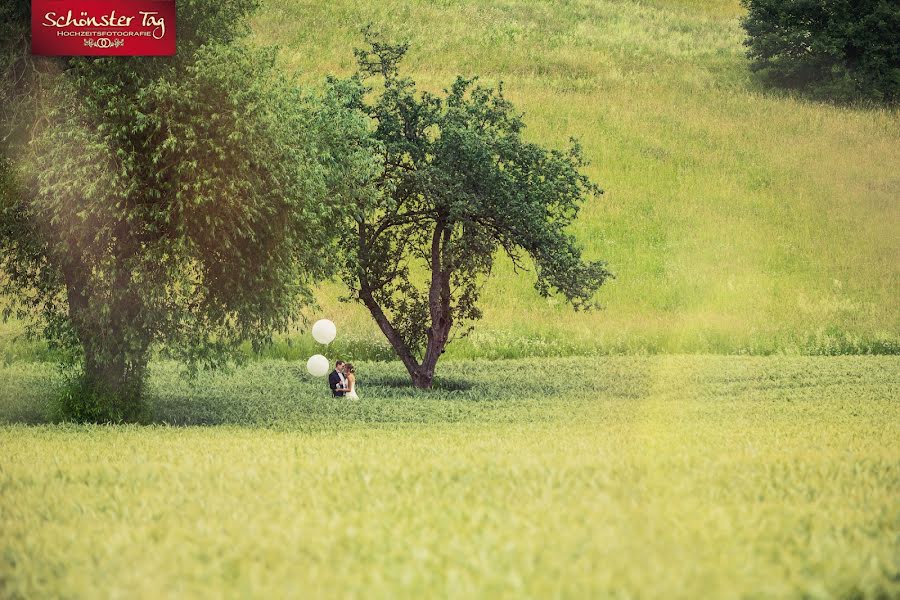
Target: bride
(350, 372)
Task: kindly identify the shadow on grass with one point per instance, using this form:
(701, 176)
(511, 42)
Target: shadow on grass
(403, 383)
(278, 393)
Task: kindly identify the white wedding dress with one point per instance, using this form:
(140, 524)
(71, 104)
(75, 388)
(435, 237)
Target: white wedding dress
(352, 393)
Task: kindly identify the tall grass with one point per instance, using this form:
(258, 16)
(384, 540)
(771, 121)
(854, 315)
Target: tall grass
(737, 220)
(616, 477)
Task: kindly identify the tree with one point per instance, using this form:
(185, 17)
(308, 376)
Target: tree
(840, 50)
(166, 202)
(458, 184)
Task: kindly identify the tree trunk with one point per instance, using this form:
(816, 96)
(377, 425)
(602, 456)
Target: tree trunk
(368, 299)
(113, 384)
(423, 378)
(438, 306)
(115, 354)
(422, 375)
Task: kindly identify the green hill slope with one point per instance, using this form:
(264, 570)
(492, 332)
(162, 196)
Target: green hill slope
(736, 219)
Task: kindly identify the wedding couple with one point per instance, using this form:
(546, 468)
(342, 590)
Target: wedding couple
(342, 381)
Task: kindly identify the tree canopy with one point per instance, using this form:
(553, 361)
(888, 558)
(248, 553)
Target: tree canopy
(175, 201)
(841, 50)
(458, 184)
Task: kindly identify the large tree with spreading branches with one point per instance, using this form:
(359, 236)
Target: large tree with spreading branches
(162, 202)
(458, 185)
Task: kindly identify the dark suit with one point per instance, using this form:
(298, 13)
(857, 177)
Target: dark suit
(334, 381)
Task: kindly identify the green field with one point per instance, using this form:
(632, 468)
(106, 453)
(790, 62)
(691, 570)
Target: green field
(736, 219)
(619, 477)
(681, 443)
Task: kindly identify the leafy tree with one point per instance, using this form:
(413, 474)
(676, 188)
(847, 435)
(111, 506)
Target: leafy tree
(458, 184)
(172, 202)
(834, 49)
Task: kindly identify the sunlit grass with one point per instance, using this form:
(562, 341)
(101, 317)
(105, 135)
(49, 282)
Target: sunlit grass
(736, 220)
(657, 476)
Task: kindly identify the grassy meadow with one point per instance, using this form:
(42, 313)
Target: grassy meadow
(681, 443)
(736, 219)
(652, 477)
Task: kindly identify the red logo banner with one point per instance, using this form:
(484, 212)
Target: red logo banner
(103, 27)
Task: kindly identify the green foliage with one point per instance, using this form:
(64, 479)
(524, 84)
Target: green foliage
(779, 473)
(458, 184)
(15, 66)
(173, 201)
(84, 400)
(838, 49)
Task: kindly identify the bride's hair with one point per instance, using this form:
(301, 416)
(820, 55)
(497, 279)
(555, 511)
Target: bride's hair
(350, 368)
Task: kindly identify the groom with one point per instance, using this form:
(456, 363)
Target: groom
(336, 381)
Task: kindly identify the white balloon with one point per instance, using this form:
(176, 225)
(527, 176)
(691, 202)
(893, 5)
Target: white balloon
(317, 365)
(324, 331)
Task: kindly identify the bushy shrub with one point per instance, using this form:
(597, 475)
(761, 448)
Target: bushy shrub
(843, 50)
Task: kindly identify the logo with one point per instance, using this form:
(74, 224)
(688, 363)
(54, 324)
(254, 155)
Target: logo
(103, 27)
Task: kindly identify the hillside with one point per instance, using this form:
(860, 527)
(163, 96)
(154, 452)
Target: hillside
(735, 218)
